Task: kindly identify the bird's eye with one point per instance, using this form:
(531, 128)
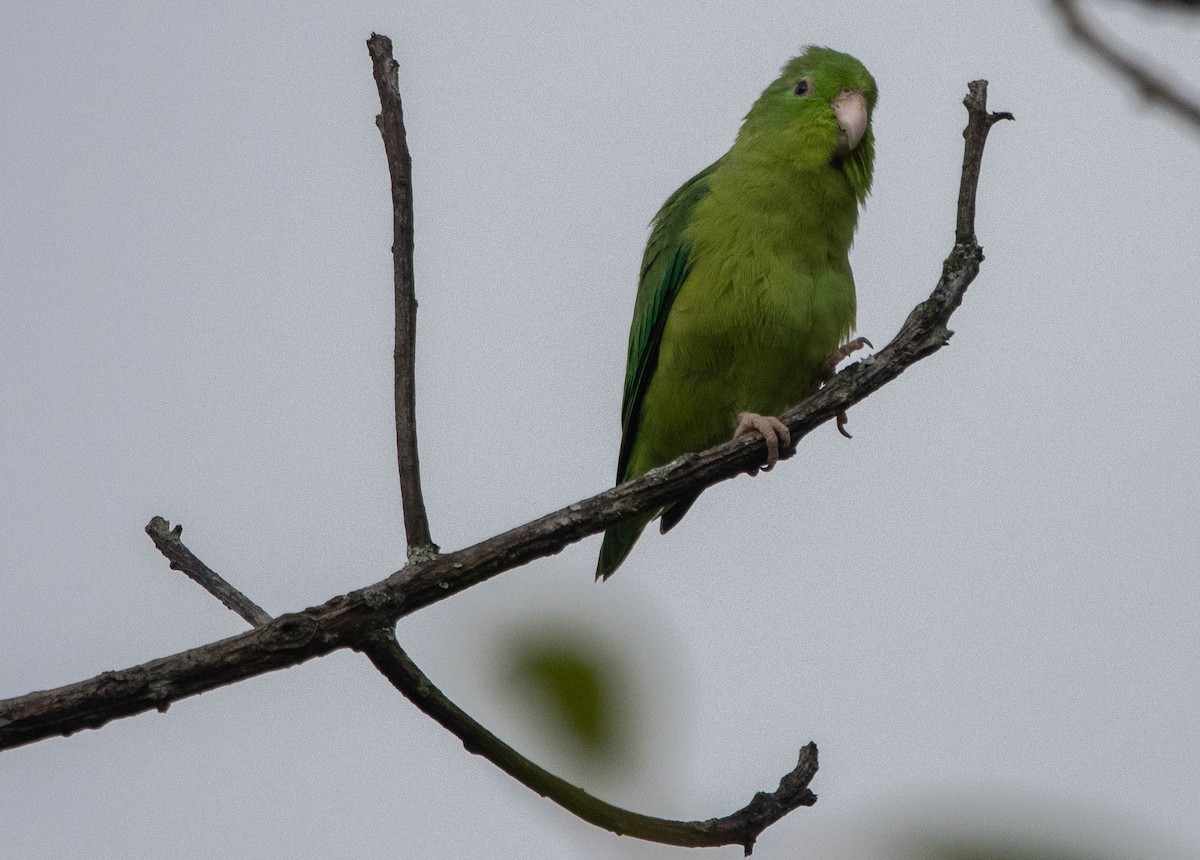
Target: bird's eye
(803, 86)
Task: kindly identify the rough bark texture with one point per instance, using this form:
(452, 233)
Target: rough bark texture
(395, 145)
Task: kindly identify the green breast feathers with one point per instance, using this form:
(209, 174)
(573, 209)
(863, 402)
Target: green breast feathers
(746, 290)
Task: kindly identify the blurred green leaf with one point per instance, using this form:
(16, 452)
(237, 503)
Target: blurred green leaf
(1000, 849)
(575, 689)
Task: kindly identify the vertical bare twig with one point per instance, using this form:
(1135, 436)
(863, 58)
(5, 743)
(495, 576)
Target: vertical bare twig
(975, 134)
(395, 143)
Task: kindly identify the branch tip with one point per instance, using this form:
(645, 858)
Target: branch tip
(390, 123)
(180, 558)
(739, 828)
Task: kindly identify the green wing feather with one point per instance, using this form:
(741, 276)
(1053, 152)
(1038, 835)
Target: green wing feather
(665, 267)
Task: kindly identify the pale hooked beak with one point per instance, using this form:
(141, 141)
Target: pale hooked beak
(850, 110)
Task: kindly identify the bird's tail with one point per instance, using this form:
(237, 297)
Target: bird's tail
(618, 541)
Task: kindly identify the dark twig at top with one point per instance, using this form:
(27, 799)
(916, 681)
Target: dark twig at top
(395, 144)
(1152, 84)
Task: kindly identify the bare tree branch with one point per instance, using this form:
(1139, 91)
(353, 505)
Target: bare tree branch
(395, 144)
(1152, 84)
(168, 541)
(739, 828)
(383, 650)
(975, 136)
(349, 620)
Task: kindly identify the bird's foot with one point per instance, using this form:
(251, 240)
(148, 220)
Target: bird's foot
(826, 371)
(774, 432)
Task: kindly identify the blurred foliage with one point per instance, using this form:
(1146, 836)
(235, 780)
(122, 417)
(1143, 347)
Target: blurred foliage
(574, 690)
(994, 848)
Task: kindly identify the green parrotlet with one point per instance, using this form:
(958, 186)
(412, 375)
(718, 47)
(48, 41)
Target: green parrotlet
(746, 297)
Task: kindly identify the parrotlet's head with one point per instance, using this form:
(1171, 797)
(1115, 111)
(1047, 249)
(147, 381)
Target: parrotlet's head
(817, 112)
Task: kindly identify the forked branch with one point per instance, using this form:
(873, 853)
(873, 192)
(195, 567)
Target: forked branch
(356, 619)
(739, 828)
(385, 652)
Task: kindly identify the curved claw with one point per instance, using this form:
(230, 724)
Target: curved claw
(774, 432)
(842, 420)
(844, 351)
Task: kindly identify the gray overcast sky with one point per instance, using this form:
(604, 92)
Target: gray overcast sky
(986, 604)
